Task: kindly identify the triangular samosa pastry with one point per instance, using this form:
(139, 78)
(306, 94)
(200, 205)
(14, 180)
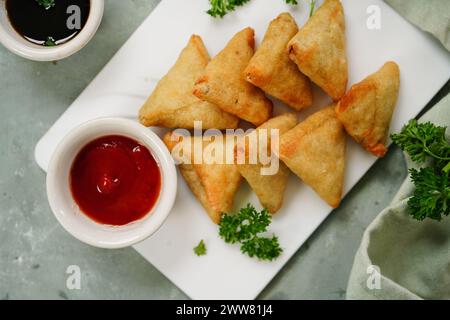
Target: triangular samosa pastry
(268, 187)
(366, 110)
(223, 82)
(172, 103)
(273, 71)
(319, 49)
(315, 151)
(214, 184)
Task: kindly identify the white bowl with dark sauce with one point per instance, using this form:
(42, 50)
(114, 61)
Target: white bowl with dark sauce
(48, 30)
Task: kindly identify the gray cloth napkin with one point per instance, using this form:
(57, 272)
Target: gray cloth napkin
(432, 16)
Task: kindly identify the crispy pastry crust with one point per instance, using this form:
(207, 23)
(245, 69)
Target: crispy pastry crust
(214, 185)
(319, 49)
(271, 69)
(172, 103)
(269, 188)
(315, 151)
(223, 82)
(366, 110)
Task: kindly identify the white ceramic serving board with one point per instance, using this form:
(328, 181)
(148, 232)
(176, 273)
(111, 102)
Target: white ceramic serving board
(122, 86)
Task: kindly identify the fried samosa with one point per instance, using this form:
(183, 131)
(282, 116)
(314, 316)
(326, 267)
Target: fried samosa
(223, 82)
(366, 110)
(271, 69)
(319, 49)
(172, 103)
(214, 184)
(315, 151)
(269, 188)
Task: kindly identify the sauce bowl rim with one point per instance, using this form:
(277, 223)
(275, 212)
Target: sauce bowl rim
(64, 206)
(21, 47)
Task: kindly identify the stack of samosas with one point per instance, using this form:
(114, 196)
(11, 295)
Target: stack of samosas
(233, 86)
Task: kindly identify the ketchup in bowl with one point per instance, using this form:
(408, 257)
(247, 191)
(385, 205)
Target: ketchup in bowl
(115, 180)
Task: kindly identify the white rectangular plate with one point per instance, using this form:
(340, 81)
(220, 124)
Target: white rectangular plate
(122, 86)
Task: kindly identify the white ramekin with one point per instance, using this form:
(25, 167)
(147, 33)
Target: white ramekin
(69, 214)
(17, 44)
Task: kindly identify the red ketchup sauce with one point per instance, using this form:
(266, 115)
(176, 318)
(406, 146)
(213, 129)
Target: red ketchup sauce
(115, 180)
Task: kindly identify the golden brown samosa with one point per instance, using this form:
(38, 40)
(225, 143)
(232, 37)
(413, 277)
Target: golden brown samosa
(223, 82)
(315, 151)
(269, 188)
(271, 69)
(366, 110)
(214, 184)
(319, 49)
(172, 103)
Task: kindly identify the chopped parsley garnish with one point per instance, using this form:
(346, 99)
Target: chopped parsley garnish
(219, 8)
(47, 4)
(50, 42)
(200, 249)
(245, 228)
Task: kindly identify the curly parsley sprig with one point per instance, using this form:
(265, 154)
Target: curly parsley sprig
(262, 248)
(422, 142)
(431, 198)
(219, 8)
(245, 228)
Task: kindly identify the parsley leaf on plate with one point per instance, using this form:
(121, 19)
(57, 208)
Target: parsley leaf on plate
(262, 248)
(219, 8)
(245, 228)
(200, 249)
